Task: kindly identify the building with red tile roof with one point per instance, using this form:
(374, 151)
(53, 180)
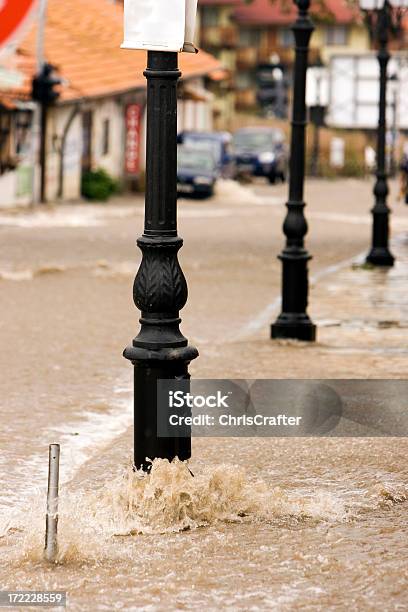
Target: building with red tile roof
(82, 39)
(246, 35)
(100, 81)
(265, 33)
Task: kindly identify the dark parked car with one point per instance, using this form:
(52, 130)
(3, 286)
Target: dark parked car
(261, 152)
(196, 172)
(219, 144)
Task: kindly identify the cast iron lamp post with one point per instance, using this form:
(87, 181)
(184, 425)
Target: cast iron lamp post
(159, 351)
(294, 322)
(384, 20)
(317, 77)
(394, 82)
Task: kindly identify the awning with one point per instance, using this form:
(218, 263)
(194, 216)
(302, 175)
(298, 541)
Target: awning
(198, 94)
(221, 74)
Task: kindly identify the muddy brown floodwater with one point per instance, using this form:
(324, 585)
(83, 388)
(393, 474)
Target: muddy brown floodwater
(273, 525)
(264, 524)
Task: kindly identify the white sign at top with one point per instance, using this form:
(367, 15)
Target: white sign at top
(160, 25)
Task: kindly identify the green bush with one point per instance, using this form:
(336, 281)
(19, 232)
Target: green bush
(98, 185)
(353, 168)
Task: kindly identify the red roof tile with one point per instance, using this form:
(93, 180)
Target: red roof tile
(278, 12)
(82, 40)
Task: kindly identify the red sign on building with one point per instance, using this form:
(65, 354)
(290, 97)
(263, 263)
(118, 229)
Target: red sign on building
(133, 127)
(13, 14)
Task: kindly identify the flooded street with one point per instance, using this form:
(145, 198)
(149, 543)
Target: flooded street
(282, 524)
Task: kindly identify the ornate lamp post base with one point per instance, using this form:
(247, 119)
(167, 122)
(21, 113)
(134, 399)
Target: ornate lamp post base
(381, 257)
(297, 326)
(380, 254)
(294, 322)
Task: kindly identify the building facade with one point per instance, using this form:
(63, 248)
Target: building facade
(248, 36)
(218, 34)
(266, 37)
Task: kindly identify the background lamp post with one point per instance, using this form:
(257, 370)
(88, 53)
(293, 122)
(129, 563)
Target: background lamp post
(294, 322)
(394, 86)
(159, 351)
(384, 18)
(317, 100)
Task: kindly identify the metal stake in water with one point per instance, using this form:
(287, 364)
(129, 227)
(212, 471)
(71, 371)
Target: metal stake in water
(51, 544)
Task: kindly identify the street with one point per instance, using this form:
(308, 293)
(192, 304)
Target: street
(204, 313)
(66, 313)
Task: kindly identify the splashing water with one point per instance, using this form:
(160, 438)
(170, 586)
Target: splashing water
(171, 500)
(168, 500)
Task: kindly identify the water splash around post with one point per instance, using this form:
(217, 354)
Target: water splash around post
(51, 543)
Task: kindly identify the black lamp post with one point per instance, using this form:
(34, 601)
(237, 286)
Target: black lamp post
(294, 322)
(384, 20)
(159, 351)
(393, 79)
(317, 111)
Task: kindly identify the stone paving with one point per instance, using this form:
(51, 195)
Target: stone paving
(362, 318)
(234, 290)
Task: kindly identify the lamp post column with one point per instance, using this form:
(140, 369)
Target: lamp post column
(159, 351)
(380, 254)
(294, 322)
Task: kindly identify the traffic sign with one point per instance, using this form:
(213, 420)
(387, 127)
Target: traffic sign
(13, 16)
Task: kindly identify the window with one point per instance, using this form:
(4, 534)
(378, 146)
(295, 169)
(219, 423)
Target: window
(6, 129)
(209, 16)
(23, 126)
(286, 38)
(244, 80)
(336, 35)
(87, 131)
(105, 137)
(249, 37)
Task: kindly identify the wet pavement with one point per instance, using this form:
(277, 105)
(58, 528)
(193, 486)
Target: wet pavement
(282, 524)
